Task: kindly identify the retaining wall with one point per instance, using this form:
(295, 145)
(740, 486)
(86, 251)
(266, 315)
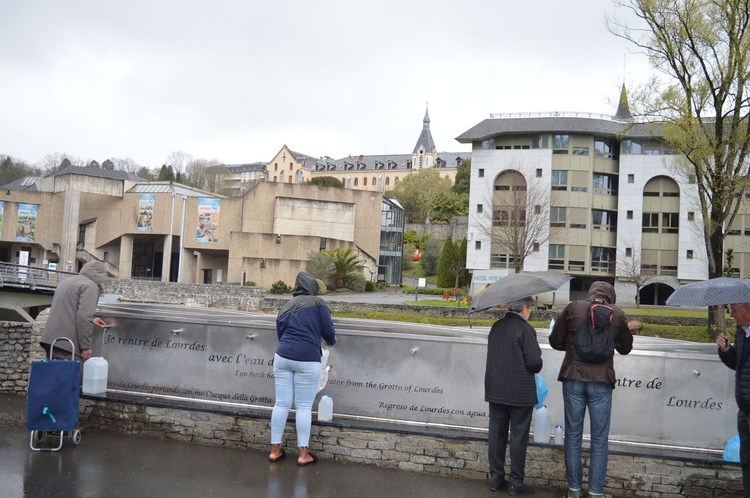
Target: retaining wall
(463, 455)
(460, 456)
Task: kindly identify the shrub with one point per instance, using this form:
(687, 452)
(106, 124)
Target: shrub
(431, 291)
(250, 283)
(280, 287)
(369, 287)
(322, 289)
(355, 281)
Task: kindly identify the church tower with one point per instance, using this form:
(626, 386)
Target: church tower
(425, 152)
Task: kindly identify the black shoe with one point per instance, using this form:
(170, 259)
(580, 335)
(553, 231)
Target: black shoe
(521, 490)
(497, 485)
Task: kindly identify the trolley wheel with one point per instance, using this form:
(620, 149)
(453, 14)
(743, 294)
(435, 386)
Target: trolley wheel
(38, 436)
(76, 437)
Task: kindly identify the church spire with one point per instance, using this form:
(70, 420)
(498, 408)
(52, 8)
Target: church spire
(623, 108)
(425, 138)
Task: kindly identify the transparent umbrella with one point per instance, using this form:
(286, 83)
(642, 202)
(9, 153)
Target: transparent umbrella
(715, 291)
(517, 286)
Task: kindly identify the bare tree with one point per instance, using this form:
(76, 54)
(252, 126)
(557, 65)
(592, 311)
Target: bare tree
(519, 220)
(126, 164)
(701, 51)
(202, 173)
(630, 267)
(179, 161)
(54, 162)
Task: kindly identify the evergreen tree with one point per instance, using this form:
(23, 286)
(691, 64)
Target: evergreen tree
(463, 178)
(166, 174)
(445, 277)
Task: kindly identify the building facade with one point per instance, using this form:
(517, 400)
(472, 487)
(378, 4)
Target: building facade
(169, 232)
(613, 203)
(376, 173)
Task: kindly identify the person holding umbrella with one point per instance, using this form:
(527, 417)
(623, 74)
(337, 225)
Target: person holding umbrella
(513, 357)
(735, 356)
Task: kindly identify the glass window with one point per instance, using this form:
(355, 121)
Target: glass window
(630, 214)
(670, 222)
(502, 261)
(560, 144)
(488, 144)
(689, 254)
(560, 141)
(631, 147)
(557, 216)
(600, 258)
(628, 252)
(540, 141)
(580, 151)
(604, 220)
(650, 222)
(691, 216)
(557, 251)
(478, 245)
(605, 184)
(602, 146)
(480, 172)
(535, 247)
(631, 178)
(559, 179)
(539, 172)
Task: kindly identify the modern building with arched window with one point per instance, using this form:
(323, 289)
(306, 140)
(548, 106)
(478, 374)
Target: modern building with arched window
(598, 197)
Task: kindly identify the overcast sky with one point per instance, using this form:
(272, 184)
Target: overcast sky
(235, 80)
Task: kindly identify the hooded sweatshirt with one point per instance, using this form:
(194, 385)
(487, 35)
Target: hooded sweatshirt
(303, 322)
(73, 308)
(562, 337)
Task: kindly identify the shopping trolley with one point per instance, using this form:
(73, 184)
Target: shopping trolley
(52, 400)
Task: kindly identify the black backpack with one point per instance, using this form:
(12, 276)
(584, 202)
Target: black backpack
(594, 341)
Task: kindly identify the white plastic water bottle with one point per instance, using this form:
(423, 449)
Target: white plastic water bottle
(542, 421)
(558, 435)
(552, 324)
(325, 409)
(95, 376)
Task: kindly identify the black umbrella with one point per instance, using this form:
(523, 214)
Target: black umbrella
(716, 291)
(517, 286)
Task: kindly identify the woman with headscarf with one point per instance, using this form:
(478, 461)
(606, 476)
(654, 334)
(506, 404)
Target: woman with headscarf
(302, 324)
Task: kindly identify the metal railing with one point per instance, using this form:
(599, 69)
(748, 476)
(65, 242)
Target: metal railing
(31, 277)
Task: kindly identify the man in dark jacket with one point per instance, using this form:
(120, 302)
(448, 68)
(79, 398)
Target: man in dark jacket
(588, 386)
(735, 357)
(513, 357)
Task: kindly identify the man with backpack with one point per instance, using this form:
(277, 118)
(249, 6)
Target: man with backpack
(589, 332)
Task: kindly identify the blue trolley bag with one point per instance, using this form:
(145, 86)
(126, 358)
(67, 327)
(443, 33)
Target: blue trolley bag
(52, 400)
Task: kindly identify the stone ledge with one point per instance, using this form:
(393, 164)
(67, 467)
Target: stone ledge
(464, 457)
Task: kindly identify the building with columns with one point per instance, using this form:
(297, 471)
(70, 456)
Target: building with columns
(170, 232)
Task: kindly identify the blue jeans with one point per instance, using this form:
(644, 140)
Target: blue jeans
(296, 384)
(577, 396)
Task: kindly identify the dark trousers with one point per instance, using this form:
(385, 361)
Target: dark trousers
(518, 420)
(743, 428)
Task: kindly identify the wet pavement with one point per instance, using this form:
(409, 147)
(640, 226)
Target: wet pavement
(115, 465)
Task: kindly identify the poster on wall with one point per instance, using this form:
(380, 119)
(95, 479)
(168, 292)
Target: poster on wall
(208, 220)
(26, 229)
(145, 212)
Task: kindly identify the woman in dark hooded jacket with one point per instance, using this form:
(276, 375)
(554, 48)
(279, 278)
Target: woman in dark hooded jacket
(302, 324)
